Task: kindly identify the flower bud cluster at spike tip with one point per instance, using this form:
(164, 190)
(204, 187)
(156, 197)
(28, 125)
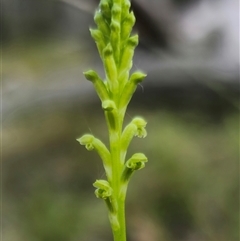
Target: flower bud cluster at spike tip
(103, 190)
(115, 44)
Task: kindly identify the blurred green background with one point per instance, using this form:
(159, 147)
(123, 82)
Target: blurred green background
(189, 190)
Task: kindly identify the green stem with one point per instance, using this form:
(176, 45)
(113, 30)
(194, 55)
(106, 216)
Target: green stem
(120, 234)
(117, 169)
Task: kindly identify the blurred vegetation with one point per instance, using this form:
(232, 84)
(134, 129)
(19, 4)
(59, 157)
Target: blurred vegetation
(189, 190)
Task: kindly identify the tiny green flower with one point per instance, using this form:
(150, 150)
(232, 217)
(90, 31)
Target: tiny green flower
(108, 105)
(87, 141)
(101, 23)
(105, 9)
(135, 128)
(128, 52)
(129, 88)
(103, 190)
(91, 143)
(136, 162)
(140, 124)
(99, 85)
(98, 36)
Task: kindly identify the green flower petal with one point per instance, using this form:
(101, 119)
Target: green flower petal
(103, 190)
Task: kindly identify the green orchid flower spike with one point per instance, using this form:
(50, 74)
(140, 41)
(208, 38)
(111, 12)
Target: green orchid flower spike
(116, 47)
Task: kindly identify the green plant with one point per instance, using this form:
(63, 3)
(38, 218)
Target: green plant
(116, 48)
